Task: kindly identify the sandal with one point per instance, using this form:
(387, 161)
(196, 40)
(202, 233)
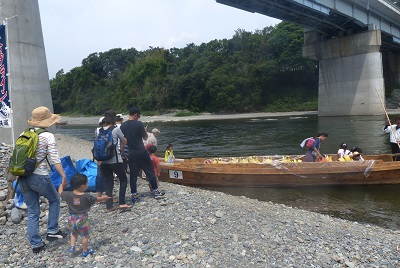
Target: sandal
(111, 209)
(87, 252)
(71, 250)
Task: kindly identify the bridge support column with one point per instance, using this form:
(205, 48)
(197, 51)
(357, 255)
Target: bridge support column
(391, 68)
(29, 85)
(350, 73)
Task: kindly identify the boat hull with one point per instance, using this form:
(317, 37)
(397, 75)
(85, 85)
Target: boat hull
(281, 174)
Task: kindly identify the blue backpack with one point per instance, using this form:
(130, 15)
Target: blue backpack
(104, 147)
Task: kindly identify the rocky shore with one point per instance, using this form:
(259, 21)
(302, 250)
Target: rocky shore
(198, 228)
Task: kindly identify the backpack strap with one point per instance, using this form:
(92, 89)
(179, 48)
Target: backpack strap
(40, 131)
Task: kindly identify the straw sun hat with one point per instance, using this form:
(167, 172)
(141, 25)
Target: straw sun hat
(42, 117)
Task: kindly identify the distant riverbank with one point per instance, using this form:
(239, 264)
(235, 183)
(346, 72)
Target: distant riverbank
(93, 120)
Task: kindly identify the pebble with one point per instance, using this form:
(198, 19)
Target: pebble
(198, 228)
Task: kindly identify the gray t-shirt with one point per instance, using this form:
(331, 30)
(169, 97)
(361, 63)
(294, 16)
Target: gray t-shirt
(78, 204)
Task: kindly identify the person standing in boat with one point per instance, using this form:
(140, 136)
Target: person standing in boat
(394, 132)
(313, 153)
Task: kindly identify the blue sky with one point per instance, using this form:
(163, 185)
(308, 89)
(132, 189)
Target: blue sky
(75, 28)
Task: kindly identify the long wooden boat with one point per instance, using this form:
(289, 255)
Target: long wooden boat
(61, 123)
(277, 171)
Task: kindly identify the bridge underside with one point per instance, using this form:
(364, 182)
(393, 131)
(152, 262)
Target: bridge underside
(353, 56)
(314, 16)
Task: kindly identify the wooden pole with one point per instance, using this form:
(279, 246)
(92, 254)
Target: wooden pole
(387, 116)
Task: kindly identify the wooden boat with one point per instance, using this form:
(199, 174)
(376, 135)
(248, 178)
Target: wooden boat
(280, 171)
(61, 123)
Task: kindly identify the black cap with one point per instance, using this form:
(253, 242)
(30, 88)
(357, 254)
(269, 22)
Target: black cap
(134, 110)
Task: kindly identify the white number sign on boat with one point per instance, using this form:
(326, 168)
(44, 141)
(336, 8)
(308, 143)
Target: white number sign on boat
(175, 174)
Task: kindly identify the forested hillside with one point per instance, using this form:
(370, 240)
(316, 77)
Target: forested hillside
(253, 71)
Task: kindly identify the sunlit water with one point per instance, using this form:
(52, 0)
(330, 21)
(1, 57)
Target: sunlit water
(378, 205)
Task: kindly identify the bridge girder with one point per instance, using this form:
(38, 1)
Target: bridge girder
(324, 16)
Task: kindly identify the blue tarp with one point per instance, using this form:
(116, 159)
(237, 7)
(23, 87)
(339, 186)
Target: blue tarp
(83, 166)
(89, 168)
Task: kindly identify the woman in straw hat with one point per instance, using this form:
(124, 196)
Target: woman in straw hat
(39, 183)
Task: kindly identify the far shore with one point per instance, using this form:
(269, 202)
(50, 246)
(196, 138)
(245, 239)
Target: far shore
(93, 120)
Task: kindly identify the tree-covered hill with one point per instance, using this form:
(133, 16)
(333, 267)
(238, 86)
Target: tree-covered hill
(253, 71)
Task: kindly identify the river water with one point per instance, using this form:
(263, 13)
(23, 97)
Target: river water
(378, 205)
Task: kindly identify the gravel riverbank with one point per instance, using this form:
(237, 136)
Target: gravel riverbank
(197, 228)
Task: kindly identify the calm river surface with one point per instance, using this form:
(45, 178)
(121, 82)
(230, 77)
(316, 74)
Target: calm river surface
(379, 205)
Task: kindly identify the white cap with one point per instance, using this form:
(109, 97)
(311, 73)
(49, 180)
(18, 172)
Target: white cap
(155, 130)
(101, 119)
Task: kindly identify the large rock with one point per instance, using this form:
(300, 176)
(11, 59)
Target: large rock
(16, 215)
(3, 195)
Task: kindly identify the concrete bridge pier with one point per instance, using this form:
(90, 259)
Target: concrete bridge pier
(391, 63)
(350, 72)
(29, 85)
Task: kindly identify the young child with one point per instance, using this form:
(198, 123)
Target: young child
(357, 157)
(156, 163)
(342, 152)
(169, 154)
(79, 204)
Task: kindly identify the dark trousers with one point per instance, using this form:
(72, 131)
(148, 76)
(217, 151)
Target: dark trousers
(395, 150)
(137, 162)
(107, 170)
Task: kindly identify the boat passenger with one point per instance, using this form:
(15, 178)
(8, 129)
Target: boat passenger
(343, 151)
(355, 149)
(357, 157)
(313, 153)
(169, 154)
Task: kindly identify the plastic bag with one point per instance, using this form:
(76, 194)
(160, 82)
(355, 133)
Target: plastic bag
(69, 170)
(89, 168)
(18, 199)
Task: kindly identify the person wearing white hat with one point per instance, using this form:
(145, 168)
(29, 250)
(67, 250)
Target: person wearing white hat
(152, 137)
(39, 183)
(101, 123)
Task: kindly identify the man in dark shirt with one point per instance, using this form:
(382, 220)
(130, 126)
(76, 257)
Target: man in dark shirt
(134, 131)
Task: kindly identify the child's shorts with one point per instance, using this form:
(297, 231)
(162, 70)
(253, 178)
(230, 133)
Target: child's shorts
(79, 224)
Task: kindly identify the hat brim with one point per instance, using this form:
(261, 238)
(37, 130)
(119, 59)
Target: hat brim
(54, 118)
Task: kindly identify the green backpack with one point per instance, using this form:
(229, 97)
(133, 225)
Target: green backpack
(23, 160)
